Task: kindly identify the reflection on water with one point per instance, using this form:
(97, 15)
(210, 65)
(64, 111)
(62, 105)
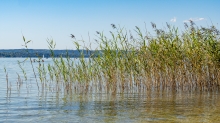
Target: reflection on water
(23, 102)
(161, 107)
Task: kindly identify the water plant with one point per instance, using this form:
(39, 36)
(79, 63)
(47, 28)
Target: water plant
(19, 62)
(6, 77)
(169, 59)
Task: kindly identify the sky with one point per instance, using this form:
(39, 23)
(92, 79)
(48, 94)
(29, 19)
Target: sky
(42, 20)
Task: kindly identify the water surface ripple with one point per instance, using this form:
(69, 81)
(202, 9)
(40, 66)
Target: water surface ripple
(27, 103)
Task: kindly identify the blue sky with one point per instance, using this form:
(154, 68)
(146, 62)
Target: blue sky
(39, 20)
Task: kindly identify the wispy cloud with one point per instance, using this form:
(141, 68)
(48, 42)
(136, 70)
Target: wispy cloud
(173, 19)
(194, 19)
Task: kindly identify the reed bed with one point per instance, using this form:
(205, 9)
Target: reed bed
(134, 63)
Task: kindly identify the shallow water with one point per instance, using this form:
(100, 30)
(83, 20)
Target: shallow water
(25, 102)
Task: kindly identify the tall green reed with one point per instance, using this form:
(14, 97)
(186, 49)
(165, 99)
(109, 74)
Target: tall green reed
(171, 58)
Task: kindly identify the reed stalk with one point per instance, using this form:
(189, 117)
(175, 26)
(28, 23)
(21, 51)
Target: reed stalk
(170, 59)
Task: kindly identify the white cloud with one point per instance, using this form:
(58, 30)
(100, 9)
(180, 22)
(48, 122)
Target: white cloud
(194, 19)
(173, 19)
(201, 18)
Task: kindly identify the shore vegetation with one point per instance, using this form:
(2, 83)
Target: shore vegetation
(137, 61)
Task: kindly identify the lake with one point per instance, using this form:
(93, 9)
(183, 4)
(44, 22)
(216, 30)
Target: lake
(24, 101)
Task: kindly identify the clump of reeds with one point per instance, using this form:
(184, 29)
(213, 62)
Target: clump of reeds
(173, 59)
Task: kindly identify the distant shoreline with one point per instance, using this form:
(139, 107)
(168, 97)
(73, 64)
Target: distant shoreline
(46, 53)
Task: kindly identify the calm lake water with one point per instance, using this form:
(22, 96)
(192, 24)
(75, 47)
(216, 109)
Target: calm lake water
(25, 102)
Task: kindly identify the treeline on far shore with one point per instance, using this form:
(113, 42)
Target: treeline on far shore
(46, 53)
